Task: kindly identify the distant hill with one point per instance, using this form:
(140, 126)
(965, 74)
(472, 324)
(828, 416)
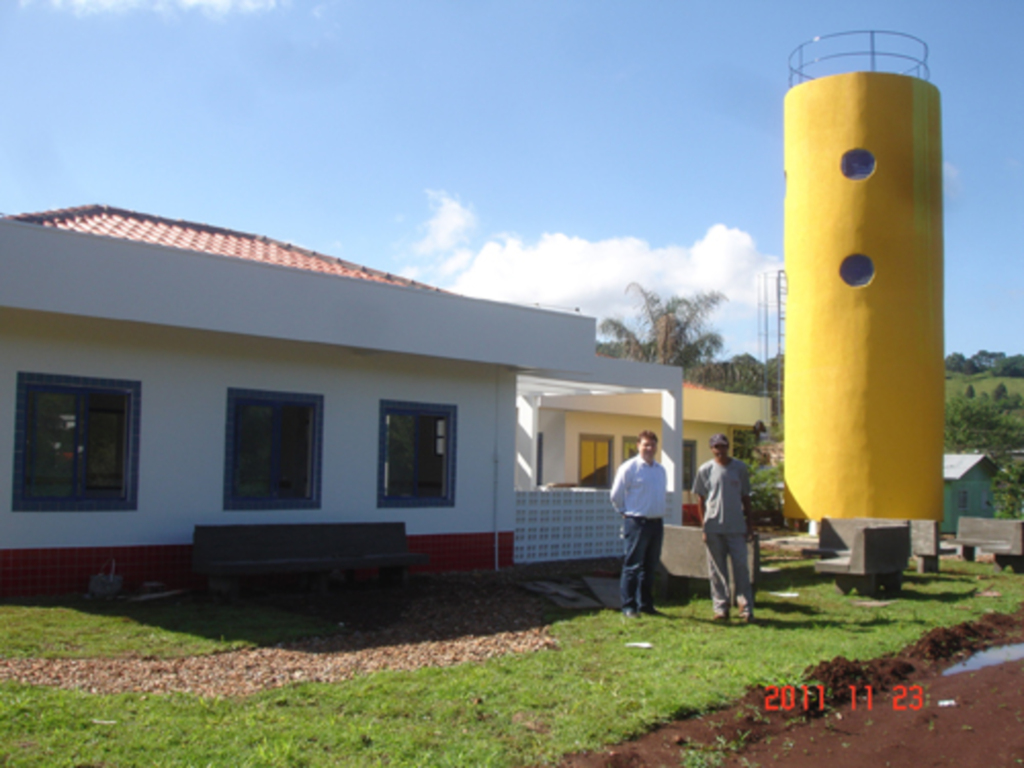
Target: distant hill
(956, 383)
(985, 384)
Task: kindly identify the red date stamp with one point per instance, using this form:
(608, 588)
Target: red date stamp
(787, 698)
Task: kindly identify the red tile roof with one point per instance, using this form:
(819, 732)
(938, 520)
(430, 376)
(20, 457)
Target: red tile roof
(144, 228)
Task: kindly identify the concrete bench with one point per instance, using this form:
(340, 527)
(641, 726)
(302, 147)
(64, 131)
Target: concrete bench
(226, 553)
(865, 554)
(1002, 538)
(684, 557)
(926, 545)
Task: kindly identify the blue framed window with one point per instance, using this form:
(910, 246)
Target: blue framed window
(416, 466)
(76, 444)
(274, 445)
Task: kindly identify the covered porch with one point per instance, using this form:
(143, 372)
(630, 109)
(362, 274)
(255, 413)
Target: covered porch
(572, 434)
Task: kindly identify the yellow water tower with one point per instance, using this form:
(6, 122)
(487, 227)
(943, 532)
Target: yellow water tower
(864, 377)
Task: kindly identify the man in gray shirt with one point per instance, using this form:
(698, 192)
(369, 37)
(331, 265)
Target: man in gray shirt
(723, 487)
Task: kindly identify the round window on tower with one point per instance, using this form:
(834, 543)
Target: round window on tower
(857, 270)
(858, 164)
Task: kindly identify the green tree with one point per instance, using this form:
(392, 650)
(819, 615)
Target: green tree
(979, 425)
(985, 360)
(743, 374)
(1012, 367)
(969, 392)
(1009, 490)
(673, 331)
(956, 362)
(766, 488)
(1000, 393)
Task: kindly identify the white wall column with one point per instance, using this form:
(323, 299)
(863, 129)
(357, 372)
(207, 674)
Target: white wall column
(672, 451)
(527, 414)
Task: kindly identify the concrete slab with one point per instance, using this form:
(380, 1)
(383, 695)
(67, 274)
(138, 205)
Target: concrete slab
(562, 595)
(606, 590)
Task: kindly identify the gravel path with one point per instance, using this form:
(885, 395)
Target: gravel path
(242, 673)
(437, 621)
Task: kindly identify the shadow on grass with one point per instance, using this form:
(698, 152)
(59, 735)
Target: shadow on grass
(190, 614)
(365, 614)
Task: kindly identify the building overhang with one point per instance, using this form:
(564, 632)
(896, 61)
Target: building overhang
(51, 270)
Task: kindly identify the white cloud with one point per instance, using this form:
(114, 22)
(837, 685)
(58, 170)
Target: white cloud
(211, 7)
(571, 272)
(565, 272)
(448, 228)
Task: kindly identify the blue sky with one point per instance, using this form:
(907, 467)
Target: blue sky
(542, 152)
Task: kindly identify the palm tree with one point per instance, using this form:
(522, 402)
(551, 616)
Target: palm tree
(673, 331)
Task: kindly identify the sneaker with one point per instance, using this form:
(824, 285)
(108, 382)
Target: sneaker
(651, 611)
(748, 619)
(629, 613)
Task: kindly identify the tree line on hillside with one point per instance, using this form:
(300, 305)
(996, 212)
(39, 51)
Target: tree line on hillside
(995, 363)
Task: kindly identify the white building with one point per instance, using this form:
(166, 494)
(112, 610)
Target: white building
(158, 374)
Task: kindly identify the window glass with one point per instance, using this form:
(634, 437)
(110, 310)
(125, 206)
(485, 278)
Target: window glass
(400, 465)
(540, 458)
(689, 463)
(254, 460)
(107, 418)
(52, 445)
(273, 454)
(963, 501)
(857, 270)
(417, 463)
(595, 460)
(858, 164)
(296, 451)
(77, 447)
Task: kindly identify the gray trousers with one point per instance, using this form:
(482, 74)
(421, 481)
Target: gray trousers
(733, 546)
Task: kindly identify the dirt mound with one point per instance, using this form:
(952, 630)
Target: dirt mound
(841, 677)
(947, 642)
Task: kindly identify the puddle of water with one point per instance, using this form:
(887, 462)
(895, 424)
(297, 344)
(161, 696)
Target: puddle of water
(988, 658)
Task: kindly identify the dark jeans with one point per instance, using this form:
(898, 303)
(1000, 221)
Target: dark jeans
(643, 538)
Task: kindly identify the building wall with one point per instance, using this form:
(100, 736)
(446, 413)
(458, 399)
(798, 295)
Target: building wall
(978, 485)
(706, 405)
(185, 376)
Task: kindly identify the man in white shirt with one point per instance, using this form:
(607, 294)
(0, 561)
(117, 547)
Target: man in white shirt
(638, 494)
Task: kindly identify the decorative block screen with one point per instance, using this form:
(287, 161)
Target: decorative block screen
(566, 524)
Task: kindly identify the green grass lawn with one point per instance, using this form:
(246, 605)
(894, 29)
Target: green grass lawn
(956, 383)
(512, 711)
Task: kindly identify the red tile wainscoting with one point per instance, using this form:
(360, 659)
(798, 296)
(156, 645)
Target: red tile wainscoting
(27, 572)
(463, 552)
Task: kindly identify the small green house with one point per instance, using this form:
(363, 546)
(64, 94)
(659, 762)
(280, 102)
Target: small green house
(968, 487)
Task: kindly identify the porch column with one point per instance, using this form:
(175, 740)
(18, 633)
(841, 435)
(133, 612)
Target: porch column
(672, 451)
(527, 412)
